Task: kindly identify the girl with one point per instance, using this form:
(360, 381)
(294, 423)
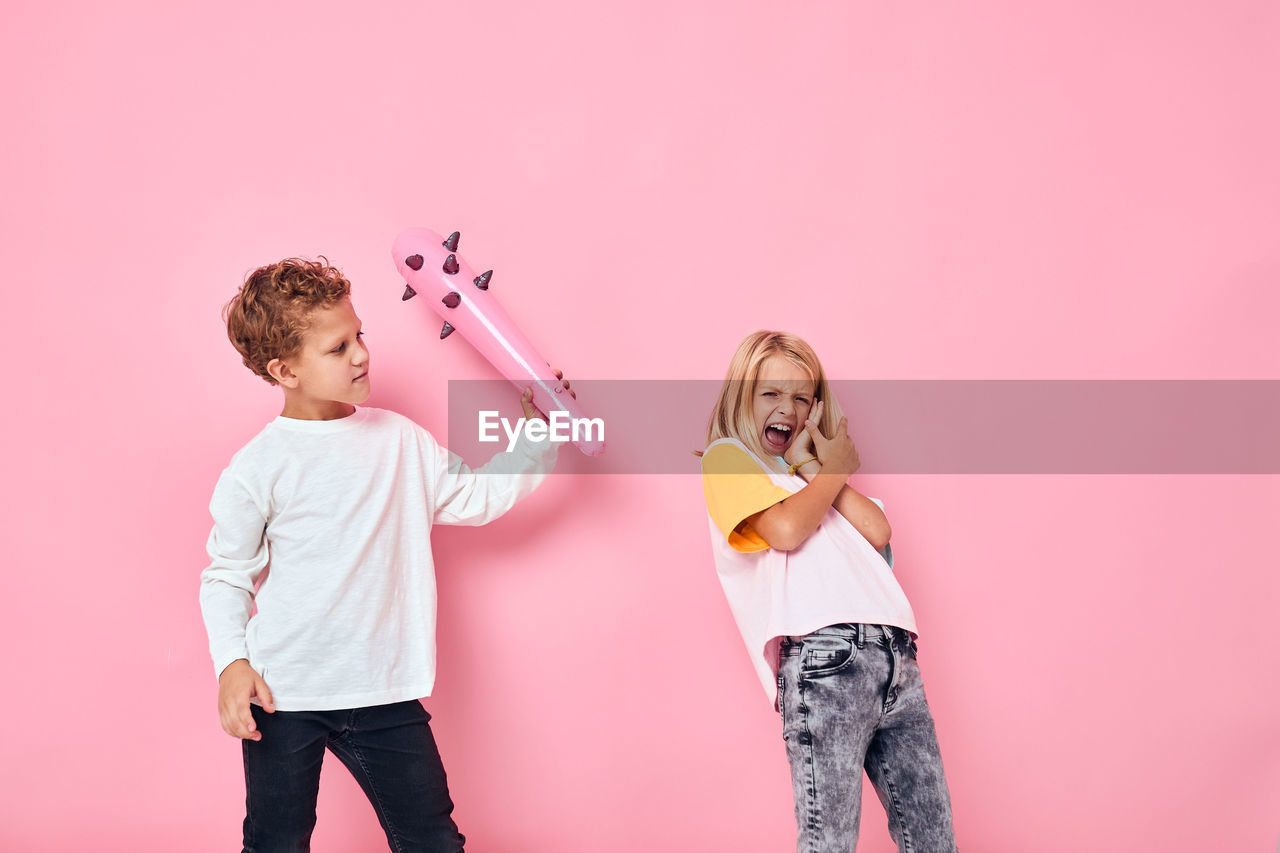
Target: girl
(804, 560)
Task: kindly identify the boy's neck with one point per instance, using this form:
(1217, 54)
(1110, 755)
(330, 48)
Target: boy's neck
(306, 409)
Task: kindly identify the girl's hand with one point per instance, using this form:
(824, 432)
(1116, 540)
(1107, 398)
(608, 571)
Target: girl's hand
(836, 454)
(802, 448)
(526, 399)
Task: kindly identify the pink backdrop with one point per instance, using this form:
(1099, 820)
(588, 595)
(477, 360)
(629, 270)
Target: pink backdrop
(977, 190)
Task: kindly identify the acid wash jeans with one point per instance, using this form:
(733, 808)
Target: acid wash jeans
(851, 699)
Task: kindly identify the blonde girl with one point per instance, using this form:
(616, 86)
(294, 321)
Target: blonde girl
(805, 563)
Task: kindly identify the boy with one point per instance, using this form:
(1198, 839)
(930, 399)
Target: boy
(323, 521)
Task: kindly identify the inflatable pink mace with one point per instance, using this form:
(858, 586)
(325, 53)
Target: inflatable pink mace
(432, 270)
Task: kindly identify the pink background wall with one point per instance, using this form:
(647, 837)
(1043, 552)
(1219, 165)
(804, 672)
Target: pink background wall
(977, 190)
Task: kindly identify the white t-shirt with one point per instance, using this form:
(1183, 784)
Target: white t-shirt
(834, 576)
(331, 522)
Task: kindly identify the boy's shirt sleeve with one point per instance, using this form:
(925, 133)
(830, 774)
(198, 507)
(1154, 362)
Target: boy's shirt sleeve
(736, 488)
(238, 552)
(464, 496)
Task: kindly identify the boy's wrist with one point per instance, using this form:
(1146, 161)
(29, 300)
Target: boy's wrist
(226, 668)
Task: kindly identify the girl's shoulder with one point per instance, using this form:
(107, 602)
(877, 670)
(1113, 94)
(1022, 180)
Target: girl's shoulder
(731, 456)
(732, 442)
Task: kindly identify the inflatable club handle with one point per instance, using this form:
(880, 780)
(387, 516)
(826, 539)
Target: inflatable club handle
(435, 274)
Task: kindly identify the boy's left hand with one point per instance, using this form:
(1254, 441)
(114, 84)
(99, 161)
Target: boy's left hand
(526, 399)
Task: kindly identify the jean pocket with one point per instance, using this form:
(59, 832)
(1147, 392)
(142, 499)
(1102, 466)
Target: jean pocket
(825, 655)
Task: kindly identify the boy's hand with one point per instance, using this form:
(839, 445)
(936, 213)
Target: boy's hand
(236, 684)
(526, 399)
(836, 455)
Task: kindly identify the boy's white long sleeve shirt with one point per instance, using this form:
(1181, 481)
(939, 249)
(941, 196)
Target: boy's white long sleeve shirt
(325, 526)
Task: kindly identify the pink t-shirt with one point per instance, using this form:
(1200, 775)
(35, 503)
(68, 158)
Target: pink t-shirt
(834, 576)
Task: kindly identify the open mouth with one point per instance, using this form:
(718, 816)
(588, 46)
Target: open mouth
(777, 437)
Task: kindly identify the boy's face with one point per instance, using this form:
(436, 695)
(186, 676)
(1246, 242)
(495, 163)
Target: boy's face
(332, 366)
(783, 396)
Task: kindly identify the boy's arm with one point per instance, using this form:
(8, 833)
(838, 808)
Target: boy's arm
(239, 555)
(463, 496)
(238, 550)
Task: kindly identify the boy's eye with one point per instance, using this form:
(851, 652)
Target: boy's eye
(342, 346)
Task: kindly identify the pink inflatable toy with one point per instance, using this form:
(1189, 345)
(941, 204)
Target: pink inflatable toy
(432, 269)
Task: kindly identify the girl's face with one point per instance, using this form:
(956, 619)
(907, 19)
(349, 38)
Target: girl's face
(781, 401)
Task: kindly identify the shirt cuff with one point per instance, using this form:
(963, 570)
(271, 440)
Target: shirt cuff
(544, 452)
(224, 659)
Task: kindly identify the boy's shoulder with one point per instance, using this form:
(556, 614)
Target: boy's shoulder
(283, 439)
(255, 449)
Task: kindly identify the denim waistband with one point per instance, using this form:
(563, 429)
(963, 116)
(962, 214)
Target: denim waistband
(859, 632)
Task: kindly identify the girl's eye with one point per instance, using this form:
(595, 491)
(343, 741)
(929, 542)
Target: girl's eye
(770, 394)
(802, 400)
(359, 334)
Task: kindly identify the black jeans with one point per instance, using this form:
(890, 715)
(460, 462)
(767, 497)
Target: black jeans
(388, 748)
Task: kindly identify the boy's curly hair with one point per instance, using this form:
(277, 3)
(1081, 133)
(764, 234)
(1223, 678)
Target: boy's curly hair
(266, 318)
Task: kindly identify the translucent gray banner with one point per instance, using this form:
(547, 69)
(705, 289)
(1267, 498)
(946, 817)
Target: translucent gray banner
(929, 426)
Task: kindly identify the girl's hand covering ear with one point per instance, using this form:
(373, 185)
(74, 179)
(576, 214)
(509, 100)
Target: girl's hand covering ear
(802, 448)
(836, 454)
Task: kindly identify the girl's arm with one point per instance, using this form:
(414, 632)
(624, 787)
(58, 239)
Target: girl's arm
(789, 522)
(859, 510)
(786, 524)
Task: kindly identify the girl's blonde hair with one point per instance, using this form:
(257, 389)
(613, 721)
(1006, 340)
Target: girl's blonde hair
(732, 416)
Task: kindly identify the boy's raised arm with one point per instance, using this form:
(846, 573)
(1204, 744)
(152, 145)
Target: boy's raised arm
(466, 497)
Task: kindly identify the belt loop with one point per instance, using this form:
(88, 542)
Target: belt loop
(862, 634)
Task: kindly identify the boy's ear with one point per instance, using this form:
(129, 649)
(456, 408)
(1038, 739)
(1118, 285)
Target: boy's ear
(281, 373)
